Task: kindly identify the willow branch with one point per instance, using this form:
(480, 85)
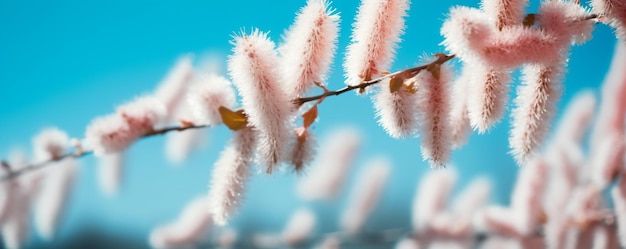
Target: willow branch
(78, 152)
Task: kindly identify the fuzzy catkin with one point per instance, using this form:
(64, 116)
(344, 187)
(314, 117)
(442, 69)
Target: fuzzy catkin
(434, 103)
(377, 29)
(254, 69)
(309, 47)
(397, 111)
(230, 175)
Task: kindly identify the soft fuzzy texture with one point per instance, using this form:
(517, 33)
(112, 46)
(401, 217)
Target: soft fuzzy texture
(577, 118)
(53, 196)
(487, 97)
(329, 170)
(504, 13)
(377, 29)
(614, 14)
(115, 132)
(300, 227)
(473, 198)
(310, 45)
(607, 160)
(207, 95)
(302, 150)
(189, 227)
(396, 112)
(49, 144)
(15, 228)
(526, 199)
(459, 115)
(254, 68)
(434, 103)
(430, 201)
(534, 107)
(364, 198)
(230, 175)
(172, 89)
(110, 172)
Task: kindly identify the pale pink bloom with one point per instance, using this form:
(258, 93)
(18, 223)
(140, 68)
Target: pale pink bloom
(459, 117)
(227, 238)
(329, 170)
(487, 97)
(302, 149)
(618, 193)
(519, 45)
(434, 103)
(172, 89)
(448, 225)
(110, 172)
(556, 231)
(265, 240)
(527, 195)
(330, 242)
(300, 227)
(396, 111)
(407, 243)
(500, 220)
(190, 226)
(612, 110)
(377, 29)
(466, 28)
(15, 227)
(614, 12)
(503, 242)
(566, 20)
(49, 144)
(310, 44)
(473, 198)
(504, 13)
(576, 118)
(10, 187)
(179, 145)
(229, 176)
(534, 108)
(254, 68)
(53, 196)
(365, 195)
(446, 244)
(607, 160)
(115, 132)
(563, 175)
(431, 196)
(210, 92)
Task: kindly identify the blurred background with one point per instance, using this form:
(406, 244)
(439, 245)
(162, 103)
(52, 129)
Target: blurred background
(62, 63)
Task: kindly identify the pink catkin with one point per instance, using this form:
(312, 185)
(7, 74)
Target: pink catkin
(300, 227)
(53, 196)
(365, 195)
(614, 14)
(172, 89)
(309, 47)
(49, 144)
(430, 201)
(612, 109)
(331, 166)
(396, 111)
(618, 193)
(377, 30)
(115, 132)
(487, 96)
(15, 228)
(189, 227)
(504, 13)
(535, 106)
(459, 117)
(302, 150)
(110, 172)
(526, 198)
(433, 100)
(229, 176)
(255, 72)
(473, 198)
(607, 160)
(206, 96)
(466, 28)
(577, 117)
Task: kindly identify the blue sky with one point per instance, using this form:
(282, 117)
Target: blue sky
(62, 64)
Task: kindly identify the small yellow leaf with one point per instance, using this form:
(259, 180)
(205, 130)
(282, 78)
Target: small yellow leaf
(395, 83)
(234, 120)
(434, 69)
(529, 20)
(309, 117)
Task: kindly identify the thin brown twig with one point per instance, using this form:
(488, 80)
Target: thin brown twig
(299, 101)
